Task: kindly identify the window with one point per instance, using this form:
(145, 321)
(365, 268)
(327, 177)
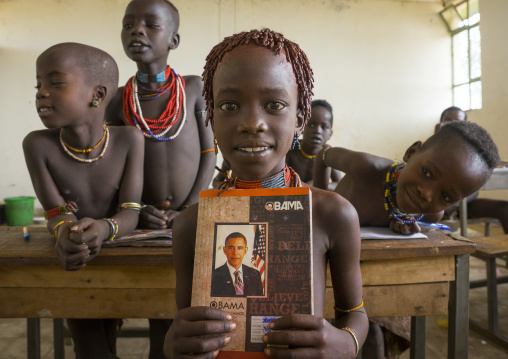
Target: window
(463, 22)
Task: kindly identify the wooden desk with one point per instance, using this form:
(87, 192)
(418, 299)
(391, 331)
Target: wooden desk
(401, 278)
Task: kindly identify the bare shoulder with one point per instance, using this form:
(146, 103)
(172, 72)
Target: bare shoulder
(332, 208)
(36, 141)
(335, 221)
(193, 84)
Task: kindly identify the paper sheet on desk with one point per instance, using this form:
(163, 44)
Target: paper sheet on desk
(386, 233)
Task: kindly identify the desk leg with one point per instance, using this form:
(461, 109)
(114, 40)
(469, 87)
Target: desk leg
(33, 333)
(58, 338)
(418, 329)
(458, 310)
(492, 294)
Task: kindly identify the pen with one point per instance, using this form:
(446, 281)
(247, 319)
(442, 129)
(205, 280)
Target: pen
(433, 225)
(26, 235)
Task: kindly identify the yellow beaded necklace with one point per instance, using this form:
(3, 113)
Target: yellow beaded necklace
(306, 155)
(87, 160)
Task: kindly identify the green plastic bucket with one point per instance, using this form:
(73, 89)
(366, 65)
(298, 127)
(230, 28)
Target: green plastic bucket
(19, 211)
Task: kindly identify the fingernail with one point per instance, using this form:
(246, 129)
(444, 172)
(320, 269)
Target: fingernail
(229, 317)
(215, 353)
(227, 340)
(271, 325)
(232, 326)
(267, 351)
(265, 338)
(74, 228)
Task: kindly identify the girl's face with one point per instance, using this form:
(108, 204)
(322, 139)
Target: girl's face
(63, 97)
(437, 177)
(255, 110)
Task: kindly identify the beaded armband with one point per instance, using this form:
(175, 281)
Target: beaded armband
(114, 228)
(324, 154)
(68, 208)
(350, 331)
(55, 228)
(347, 310)
(208, 151)
(129, 205)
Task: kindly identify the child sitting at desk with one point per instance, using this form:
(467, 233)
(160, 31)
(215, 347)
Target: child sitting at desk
(258, 86)
(476, 207)
(449, 166)
(317, 131)
(87, 176)
(168, 109)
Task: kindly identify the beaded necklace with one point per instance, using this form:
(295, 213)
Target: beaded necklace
(287, 176)
(392, 176)
(306, 155)
(160, 77)
(156, 128)
(87, 160)
(88, 149)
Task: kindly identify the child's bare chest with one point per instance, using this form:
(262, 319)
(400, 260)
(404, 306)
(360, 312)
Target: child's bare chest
(97, 182)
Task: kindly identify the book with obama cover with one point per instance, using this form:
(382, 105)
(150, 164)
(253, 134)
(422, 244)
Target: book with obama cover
(253, 259)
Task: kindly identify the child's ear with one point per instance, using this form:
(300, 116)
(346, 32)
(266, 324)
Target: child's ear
(415, 147)
(100, 93)
(174, 41)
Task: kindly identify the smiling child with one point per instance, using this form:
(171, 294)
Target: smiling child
(449, 166)
(258, 88)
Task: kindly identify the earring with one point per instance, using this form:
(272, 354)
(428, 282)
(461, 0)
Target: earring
(95, 103)
(215, 144)
(296, 143)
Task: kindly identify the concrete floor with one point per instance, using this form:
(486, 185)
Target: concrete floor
(13, 343)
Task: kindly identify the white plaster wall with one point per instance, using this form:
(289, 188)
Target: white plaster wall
(494, 113)
(384, 65)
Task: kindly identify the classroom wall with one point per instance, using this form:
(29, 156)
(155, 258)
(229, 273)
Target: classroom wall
(494, 113)
(384, 65)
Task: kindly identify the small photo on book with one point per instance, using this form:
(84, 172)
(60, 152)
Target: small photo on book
(239, 260)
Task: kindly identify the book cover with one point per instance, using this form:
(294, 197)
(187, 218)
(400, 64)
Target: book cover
(265, 234)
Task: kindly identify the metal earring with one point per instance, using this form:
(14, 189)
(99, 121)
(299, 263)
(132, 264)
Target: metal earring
(296, 143)
(95, 103)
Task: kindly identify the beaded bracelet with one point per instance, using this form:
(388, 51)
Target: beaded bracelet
(55, 228)
(129, 205)
(68, 208)
(324, 154)
(208, 151)
(347, 310)
(350, 331)
(114, 228)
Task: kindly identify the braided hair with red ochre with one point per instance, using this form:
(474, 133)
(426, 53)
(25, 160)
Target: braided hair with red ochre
(273, 41)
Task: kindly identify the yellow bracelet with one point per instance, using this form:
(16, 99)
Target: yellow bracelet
(347, 310)
(350, 331)
(55, 228)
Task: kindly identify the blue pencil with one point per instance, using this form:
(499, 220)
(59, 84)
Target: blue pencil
(433, 225)
(26, 235)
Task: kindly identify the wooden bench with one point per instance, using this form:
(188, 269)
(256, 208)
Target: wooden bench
(489, 249)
